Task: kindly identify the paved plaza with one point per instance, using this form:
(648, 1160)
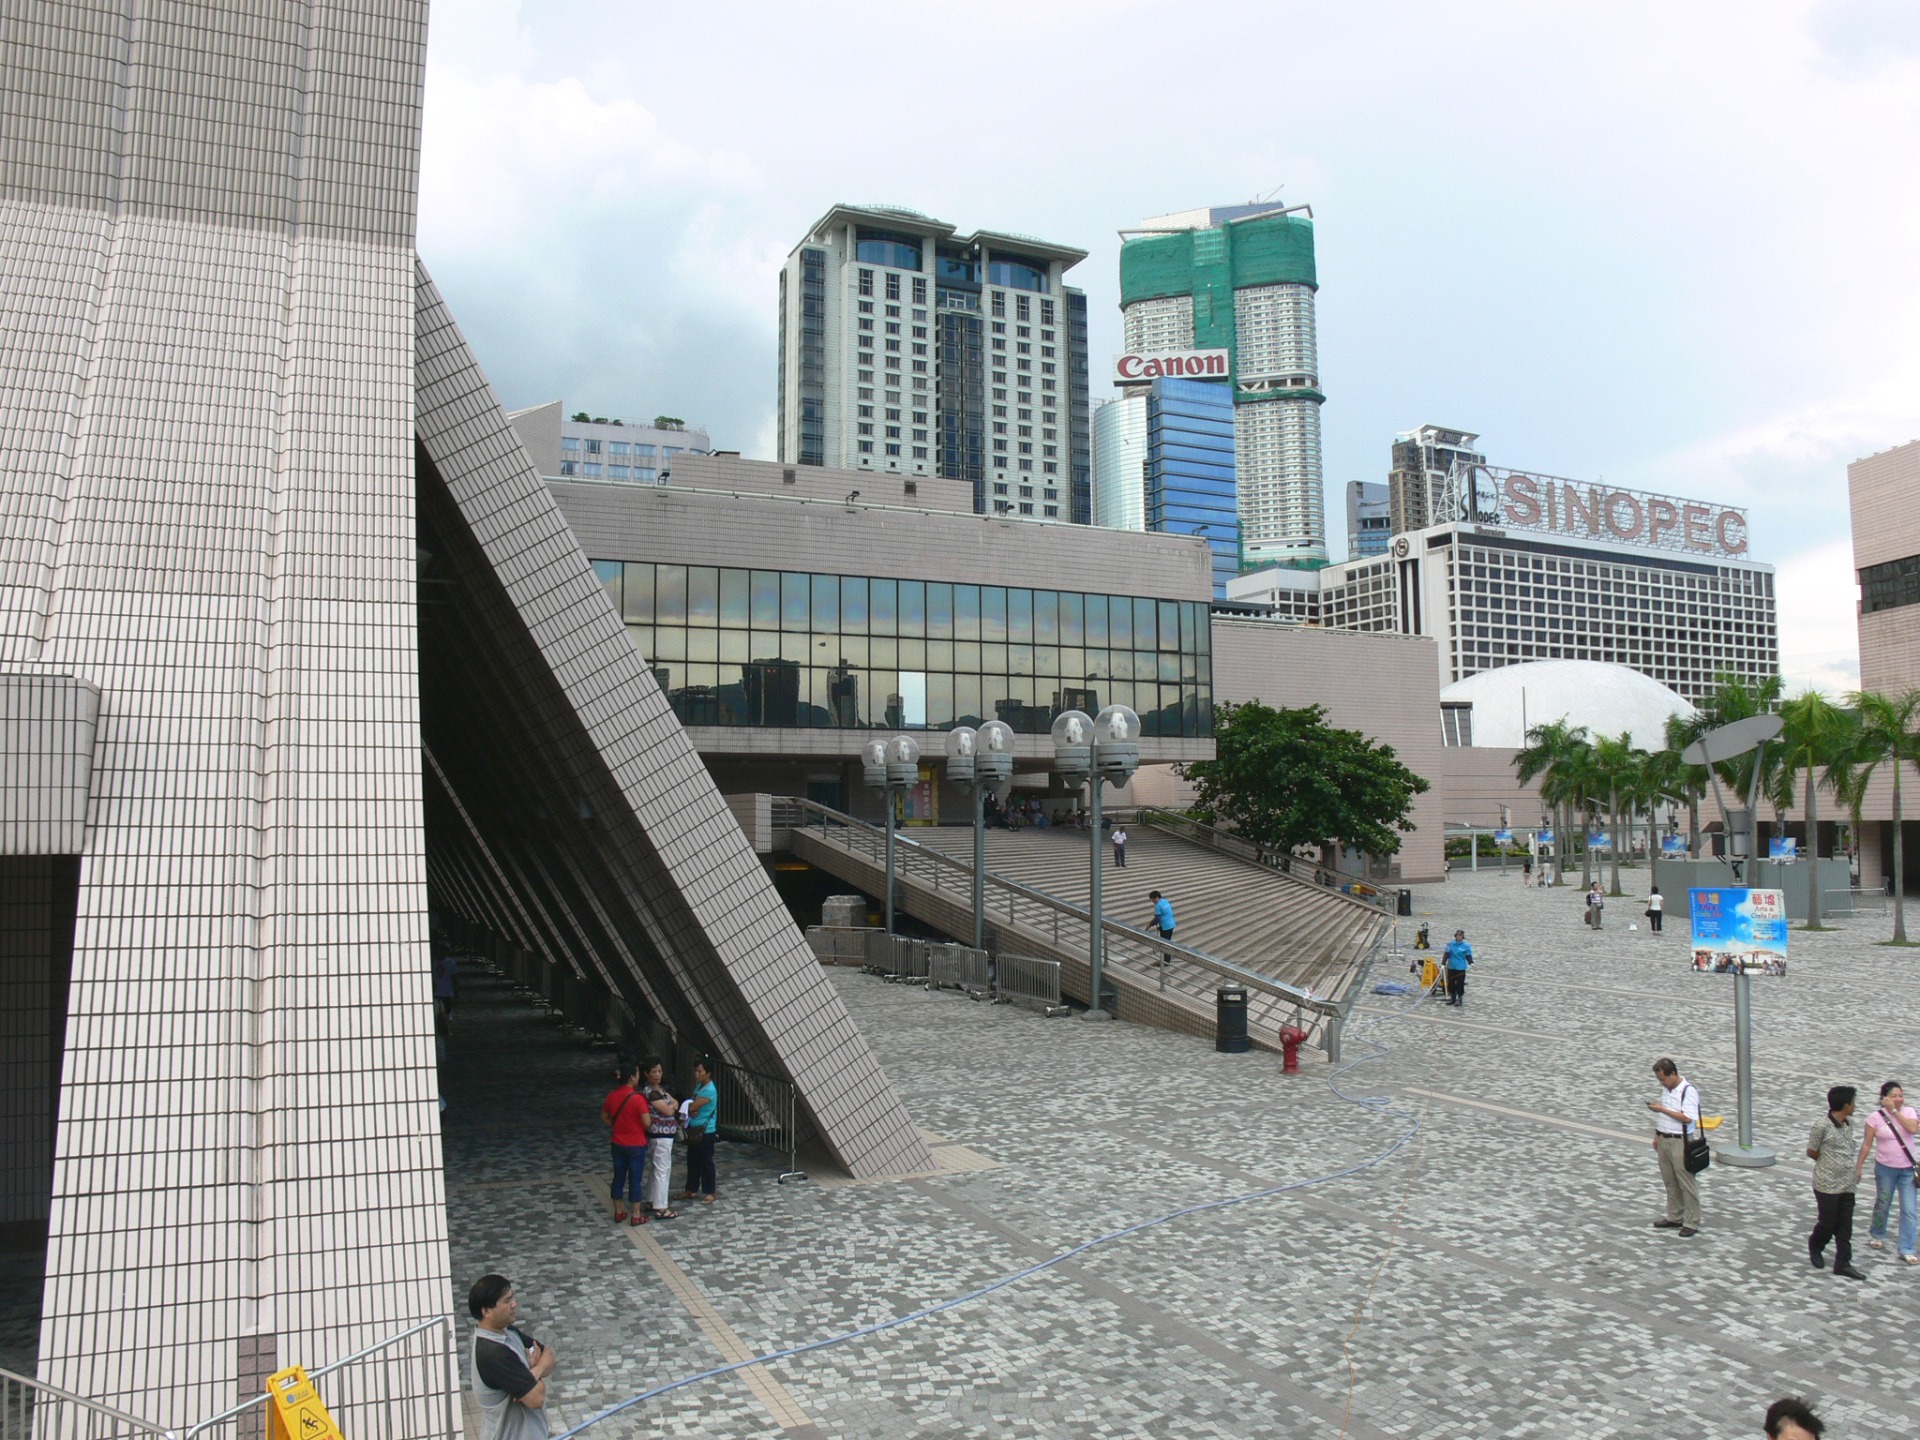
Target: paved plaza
(1495, 1276)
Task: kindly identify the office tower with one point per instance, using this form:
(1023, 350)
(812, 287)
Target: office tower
(1190, 469)
(1369, 519)
(1886, 560)
(1423, 462)
(1241, 278)
(907, 347)
(1120, 462)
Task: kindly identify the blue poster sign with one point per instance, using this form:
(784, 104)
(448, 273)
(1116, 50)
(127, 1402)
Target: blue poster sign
(1546, 837)
(1784, 848)
(1673, 844)
(1739, 931)
(1500, 837)
(1598, 841)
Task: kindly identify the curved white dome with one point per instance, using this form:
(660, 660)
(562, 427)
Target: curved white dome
(1603, 697)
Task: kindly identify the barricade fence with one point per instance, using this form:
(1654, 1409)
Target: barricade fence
(405, 1387)
(1029, 980)
(942, 965)
(958, 967)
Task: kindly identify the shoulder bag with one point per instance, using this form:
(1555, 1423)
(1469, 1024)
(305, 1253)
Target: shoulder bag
(1894, 1126)
(1698, 1156)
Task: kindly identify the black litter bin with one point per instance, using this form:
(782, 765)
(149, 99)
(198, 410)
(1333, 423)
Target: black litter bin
(1406, 903)
(1230, 1023)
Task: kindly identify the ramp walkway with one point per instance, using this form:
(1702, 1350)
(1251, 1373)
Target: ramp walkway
(1298, 946)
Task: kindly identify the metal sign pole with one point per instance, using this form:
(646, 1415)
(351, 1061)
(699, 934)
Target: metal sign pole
(890, 795)
(1095, 949)
(979, 865)
(1746, 1154)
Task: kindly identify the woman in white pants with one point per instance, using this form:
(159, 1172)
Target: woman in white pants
(663, 1126)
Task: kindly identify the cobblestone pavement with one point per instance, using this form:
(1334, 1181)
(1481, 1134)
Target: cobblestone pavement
(1497, 1276)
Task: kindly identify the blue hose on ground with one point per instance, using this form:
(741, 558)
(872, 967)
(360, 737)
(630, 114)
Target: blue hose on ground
(1378, 1104)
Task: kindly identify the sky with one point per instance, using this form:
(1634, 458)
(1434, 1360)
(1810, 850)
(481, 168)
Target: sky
(1664, 246)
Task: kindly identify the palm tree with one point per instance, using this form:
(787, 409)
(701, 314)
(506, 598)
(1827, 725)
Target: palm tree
(1616, 767)
(1818, 736)
(1688, 781)
(1736, 700)
(1884, 736)
(1552, 755)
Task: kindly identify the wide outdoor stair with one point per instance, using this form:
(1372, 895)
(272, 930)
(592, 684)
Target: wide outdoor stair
(1298, 946)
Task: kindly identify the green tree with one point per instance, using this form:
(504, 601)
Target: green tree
(1286, 779)
(1556, 754)
(1818, 737)
(1884, 736)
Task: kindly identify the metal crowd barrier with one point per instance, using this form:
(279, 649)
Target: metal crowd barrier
(959, 967)
(1029, 980)
(839, 944)
(1857, 899)
(760, 1109)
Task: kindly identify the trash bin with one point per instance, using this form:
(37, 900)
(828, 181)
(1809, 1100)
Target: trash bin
(1406, 903)
(1230, 1022)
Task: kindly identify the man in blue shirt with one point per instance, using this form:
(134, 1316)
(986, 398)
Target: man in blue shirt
(1163, 919)
(1459, 957)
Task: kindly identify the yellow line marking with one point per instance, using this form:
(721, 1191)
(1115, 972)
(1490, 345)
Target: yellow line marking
(774, 1397)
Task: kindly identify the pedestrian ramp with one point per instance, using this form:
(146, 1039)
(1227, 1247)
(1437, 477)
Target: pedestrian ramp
(1299, 948)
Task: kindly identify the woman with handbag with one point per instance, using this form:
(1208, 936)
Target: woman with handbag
(1890, 1139)
(625, 1113)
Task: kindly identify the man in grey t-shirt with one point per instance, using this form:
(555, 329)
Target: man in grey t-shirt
(510, 1368)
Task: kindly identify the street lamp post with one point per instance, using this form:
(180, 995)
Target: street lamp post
(980, 760)
(1105, 749)
(890, 766)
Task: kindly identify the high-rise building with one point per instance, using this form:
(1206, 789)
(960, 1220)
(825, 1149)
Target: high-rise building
(1190, 469)
(907, 347)
(1423, 461)
(1369, 519)
(1120, 462)
(1241, 278)
(1886, 558)
(1534, 567)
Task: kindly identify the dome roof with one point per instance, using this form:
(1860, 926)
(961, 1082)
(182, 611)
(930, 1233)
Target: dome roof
(1605, 698)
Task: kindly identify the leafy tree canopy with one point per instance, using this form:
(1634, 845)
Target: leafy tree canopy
(1286, 779)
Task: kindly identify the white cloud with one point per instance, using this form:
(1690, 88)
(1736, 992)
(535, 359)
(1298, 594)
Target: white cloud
(1819, 640)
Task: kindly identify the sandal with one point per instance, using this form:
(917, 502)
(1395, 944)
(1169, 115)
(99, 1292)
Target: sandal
(666, 1214)
(638, 1219)
(707, 1199)
(619, 1217)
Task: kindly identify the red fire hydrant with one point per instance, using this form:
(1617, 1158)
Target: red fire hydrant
(1292, 1037)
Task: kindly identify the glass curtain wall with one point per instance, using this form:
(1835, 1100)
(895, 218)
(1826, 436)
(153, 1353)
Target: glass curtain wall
(1191, 487)
(791, 649)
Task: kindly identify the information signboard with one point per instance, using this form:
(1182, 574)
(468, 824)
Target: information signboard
(1783, 848)
(1739, 931)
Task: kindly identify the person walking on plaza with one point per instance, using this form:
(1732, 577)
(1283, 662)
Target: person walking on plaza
(1836, 1175)
(624, 1112)
(509, 1367)
(703, 1127)
(1656, 910)
(1790, 1418)
(1890, 1139)
(663, 1124)
(1459, 956)
(1675, 1114)
(1596, 902)
(1119, 847)
(1526, 871)
(1162, 920)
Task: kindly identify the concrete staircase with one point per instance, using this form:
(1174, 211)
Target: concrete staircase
(1298, 947)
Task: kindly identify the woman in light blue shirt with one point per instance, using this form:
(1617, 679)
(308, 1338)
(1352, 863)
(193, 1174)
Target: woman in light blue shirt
(703, 1124)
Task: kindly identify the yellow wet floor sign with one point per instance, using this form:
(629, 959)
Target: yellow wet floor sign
(298, 1412)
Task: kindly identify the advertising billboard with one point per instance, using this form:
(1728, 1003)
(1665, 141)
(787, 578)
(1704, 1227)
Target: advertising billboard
(1739, 931)
(1139, 367)
(1675, 845)
(1521, 500)
(1784, 848)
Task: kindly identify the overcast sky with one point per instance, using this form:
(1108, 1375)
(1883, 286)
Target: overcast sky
(1669, 246)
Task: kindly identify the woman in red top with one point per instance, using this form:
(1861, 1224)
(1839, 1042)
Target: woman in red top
(625, 1112)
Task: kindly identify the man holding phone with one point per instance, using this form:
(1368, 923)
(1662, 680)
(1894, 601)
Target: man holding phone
(510, 1368)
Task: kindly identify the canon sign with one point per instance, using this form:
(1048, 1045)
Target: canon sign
(1489, 495)
(1180, 364)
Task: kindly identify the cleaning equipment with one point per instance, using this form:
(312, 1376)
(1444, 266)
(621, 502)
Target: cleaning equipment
(1374, 1104)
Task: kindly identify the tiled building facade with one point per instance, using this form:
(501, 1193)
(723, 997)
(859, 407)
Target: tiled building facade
(223, 468)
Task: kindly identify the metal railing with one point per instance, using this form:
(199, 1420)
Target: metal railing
(1856, 901)
(1297, 867)
(1129, 949)
(1028, 980)
(405, 1387)
(760, 1109)
(958, 967)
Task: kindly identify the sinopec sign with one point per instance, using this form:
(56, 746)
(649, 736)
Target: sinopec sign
(1137, 369)
(1490, 495)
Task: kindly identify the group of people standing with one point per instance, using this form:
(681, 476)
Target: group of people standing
(647, 1122)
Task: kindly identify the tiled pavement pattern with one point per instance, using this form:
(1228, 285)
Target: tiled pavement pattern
(1495, 1278)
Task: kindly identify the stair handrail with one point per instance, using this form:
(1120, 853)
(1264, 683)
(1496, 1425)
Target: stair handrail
(876, 836)
(1325, 879)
